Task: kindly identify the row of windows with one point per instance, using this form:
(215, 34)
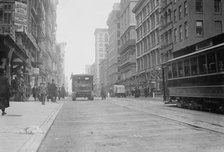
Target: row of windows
(217, 6)
(148, 25)
(6, 13)
(148, 61)
(181, 12)
(148, 42)
(103, 37)
(182, 34)
(202, 64)
(166, 38)
(147, 10)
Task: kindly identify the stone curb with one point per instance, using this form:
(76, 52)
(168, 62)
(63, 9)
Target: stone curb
(34, 142)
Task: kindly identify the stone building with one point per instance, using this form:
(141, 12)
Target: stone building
(103, 73)
(113, 23)
(30, 26)
(148, 70)
(101, 46)
(60, 64)
(127, 50)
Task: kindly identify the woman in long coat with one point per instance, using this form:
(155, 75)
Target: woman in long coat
(4, 92)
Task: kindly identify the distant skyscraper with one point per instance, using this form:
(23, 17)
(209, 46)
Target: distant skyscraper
(101, 45)
(113, 23)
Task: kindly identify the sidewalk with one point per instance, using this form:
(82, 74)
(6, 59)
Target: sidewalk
(25, 125)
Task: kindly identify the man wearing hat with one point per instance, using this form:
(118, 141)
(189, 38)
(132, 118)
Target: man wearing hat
(4, 92)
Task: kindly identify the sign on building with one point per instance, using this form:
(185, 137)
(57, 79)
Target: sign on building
(21, 18)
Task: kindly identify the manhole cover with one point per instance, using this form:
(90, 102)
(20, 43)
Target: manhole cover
(12, 115)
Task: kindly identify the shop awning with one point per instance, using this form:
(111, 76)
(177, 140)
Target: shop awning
(10, 43)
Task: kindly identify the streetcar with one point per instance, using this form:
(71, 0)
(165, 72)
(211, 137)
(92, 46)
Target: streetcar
(195, 80)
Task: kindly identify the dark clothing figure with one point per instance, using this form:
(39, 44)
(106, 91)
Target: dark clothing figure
(49, 92)
(146, 91)
(22, 92)
(53, 91)
(4, 94)
(63, 92)
(137, 92)
(103, 93)
(43, 92)
(35, 92)
(59, 94)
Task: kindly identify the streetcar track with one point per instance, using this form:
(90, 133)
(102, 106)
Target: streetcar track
(192, 124)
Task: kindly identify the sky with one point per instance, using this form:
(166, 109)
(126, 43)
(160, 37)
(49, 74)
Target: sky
(76, 23)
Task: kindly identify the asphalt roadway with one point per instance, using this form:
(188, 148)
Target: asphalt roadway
(133, 125)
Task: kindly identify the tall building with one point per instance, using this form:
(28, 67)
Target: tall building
(29, 26)
(103, 73)
(60, 50)
(113, 23)
(166, 30)
(101, 46)
(127, 50)
(148, 44)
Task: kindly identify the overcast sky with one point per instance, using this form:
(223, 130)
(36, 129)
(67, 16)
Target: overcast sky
(76, 23)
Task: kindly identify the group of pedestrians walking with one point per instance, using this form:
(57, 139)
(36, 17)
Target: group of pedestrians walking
(49, 92)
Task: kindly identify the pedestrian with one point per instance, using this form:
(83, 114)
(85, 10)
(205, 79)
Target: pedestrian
(22, 92)
(4, 92)
(103, 92)
(35, 92)
(49, 97)
(43, 92)
(53, 90)
(63, 91)
(59, 93)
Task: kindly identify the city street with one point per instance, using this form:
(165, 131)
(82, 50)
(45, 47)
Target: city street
(133, 125)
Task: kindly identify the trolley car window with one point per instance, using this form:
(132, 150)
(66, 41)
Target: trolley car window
(174, 68)
(211, 62)
(202, 64)
(169, 71)
(186, 67)
(194, 66)
(220, 58)
(180, 69)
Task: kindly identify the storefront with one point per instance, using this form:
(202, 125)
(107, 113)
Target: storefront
(13, 58)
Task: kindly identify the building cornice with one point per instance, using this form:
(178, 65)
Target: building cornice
(138, 5)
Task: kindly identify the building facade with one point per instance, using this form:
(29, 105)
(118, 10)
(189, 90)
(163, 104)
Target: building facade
(195, 21)
(127, 50)
(103, 73)
(31, 24)
(101, 46)
(148, 44)
(113, 23)
(186, 22)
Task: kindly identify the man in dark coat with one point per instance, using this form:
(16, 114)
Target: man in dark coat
(4, 92)
(63, 91)
(49, 91)
(35, 92)
(53, 90)
(103, 92)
